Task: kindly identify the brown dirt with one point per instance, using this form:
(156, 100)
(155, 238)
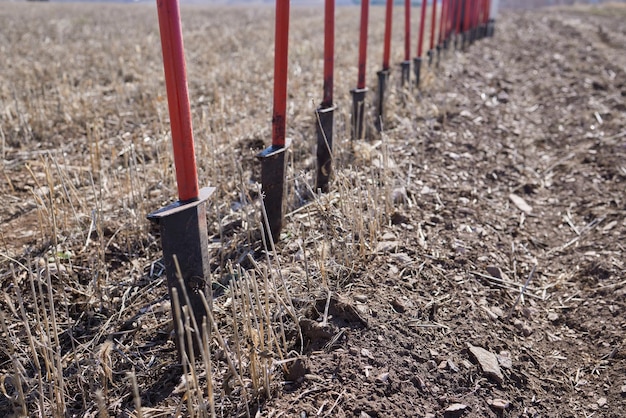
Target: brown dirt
(509, 168)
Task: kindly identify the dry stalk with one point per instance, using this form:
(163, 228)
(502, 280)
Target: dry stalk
(18, 369)
(56, 361)
(137, 399)
(31, 339)
(206, 357)
(183, 350)
(227, 352)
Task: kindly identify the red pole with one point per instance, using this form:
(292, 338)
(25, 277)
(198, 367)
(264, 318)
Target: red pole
(407, 30)
(387, 47)
(476, 11)
(441, 22)
(449, 14)
(363, 44)
(468, 12)
(459, 9)
(281, 39)
(433, 25)
(329, 52)
(482, 11)
(178, 99)
(472, 14)
(420, 39)
(486, 11)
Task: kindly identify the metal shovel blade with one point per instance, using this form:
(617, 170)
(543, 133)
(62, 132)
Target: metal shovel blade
(405, 67)
(273, 170)
(417, 67)
(383, 80)
(358, 113)
(184, 237)
(324, 127)
(491, 24)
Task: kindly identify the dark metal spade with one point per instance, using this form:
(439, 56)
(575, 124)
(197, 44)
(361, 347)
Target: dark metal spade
(183, 224)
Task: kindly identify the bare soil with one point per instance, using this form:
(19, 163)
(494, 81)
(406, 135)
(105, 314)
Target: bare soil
(490, 213)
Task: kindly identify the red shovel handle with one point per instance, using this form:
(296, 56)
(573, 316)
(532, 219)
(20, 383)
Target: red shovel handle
(407, 30)
(459, 9)
(178, 99)
(433, 25)
(365, 7)
(387, 47)
(329, 52)
(281, 40)
(420, 40)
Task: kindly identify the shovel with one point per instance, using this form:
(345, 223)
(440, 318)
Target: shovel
(183, 224)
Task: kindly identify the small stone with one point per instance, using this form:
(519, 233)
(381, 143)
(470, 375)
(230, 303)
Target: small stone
(455, 410)
(452, 366)
(360, 298)
(398, 218)
(601, 402)
(398, 306)
(522, 327)
(500, 404)
(624, 390)
(528, 312)
(443, 365)
(382, 378)
(553, 317)
(495, 271)
(488, 363)
(296, 371)
(367, 353)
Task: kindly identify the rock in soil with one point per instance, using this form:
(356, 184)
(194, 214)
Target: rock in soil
(455, 410)
(488, 363)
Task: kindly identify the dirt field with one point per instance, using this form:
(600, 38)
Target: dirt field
(468, 262)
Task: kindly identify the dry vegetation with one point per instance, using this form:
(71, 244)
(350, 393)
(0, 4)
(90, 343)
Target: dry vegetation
(490, 213)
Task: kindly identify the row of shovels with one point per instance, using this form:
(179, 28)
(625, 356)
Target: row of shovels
(183, 224)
